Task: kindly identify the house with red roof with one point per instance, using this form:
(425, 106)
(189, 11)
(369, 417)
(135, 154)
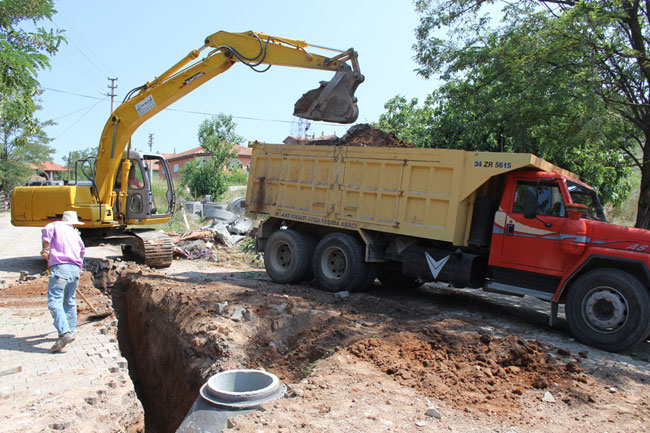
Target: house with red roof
(177, 161)
(49, 170)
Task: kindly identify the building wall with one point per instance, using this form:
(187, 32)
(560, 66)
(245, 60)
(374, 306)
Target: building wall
(176, 164)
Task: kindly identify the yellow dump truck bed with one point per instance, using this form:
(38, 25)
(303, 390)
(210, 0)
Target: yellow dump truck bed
(427, 193)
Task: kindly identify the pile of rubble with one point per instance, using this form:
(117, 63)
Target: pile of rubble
(228, 227)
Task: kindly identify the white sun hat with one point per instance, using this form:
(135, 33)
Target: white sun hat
(70, 217)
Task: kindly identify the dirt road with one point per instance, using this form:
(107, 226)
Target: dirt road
(426, 360)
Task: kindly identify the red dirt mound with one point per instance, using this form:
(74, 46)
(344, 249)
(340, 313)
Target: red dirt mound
(364, 135)
(488, 373)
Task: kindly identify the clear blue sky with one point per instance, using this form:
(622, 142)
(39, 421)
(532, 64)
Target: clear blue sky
(137, 40)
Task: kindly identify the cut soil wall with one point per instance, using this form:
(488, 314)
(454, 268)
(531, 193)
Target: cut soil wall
(162, 360)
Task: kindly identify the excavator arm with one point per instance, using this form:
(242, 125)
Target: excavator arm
(333, 101)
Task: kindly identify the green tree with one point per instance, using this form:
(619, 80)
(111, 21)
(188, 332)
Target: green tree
(580, 69)
(22, 54)
(510, 98)
(22, 141)
(69, 160)
(217, 136)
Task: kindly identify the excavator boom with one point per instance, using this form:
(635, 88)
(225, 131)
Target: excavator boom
(333, 101)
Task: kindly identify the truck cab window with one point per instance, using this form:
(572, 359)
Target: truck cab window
(582, 195)
(549, 198)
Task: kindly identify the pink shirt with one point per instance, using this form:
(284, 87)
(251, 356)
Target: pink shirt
(66, 246)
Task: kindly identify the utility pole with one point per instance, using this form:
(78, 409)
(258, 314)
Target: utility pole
(150, 163)
(112, 87)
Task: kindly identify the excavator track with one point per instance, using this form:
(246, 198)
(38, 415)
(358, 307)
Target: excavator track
(153, 248)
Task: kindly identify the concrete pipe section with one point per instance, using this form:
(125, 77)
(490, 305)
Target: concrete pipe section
(228, 394)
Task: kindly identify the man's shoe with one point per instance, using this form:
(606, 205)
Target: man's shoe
(61, 342)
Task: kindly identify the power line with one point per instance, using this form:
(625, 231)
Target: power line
(72, 93)
(82, 40)
(201, 113)
(248, 118)
(78, 120)
(84, 73)
(76, 111)
(92, 63)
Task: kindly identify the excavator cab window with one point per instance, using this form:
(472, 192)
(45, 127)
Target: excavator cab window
(136, 180)
(135, 203)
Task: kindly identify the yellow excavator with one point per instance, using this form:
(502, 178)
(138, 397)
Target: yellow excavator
(116, 193)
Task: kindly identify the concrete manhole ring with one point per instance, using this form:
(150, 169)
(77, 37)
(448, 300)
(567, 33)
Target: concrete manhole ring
(242, 388)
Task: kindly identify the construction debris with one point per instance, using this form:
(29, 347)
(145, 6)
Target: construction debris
(228, 226)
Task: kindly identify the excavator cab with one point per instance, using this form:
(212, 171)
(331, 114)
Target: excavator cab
(150, 191)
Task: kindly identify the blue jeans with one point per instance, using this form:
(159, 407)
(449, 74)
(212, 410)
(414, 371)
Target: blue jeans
(61, 290)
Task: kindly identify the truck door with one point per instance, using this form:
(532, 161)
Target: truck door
(533, 244)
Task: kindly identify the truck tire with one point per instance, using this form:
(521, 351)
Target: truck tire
(287, 256)
(339, 264)
(608, 309)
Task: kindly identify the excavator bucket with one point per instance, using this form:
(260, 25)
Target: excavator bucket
(333, 101)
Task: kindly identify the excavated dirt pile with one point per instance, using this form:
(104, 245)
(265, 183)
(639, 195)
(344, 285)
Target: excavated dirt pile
(489, 373)
(364, 135)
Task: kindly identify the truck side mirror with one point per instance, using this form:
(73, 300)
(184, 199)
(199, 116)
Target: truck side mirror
(530, 204)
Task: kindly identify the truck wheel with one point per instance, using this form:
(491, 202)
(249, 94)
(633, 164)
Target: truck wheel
(608, 309)
(287, 256)
(339, 264)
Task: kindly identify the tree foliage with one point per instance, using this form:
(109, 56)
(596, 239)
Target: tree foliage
(566, 79)
(70, 161)
(22, 54)
(22, 141)
(209, 177)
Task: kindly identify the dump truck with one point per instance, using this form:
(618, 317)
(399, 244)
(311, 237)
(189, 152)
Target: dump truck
(509, 223)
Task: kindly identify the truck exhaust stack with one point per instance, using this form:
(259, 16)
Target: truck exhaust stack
(334, 100)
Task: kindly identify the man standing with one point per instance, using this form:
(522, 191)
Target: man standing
(64, 251)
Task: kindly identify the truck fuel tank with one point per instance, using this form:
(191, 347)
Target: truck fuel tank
(458, 268)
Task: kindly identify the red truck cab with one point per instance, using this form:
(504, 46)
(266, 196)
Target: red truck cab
(551, 240)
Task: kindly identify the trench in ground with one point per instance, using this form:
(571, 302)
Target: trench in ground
(172, 350)
(174, 339)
